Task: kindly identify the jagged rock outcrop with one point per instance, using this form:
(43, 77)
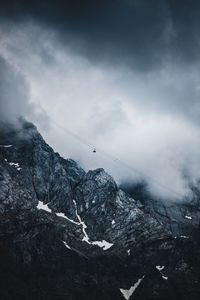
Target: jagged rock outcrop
(68, 234)
(179, 216)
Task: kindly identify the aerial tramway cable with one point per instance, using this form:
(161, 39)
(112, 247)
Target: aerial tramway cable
(117, 160)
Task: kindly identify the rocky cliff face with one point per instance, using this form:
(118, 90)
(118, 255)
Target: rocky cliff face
(68, 234)
(179, 216)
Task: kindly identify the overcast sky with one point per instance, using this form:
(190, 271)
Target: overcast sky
(120, 76)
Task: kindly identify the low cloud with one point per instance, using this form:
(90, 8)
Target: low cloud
(15, 96)
(143, 125)
(14, 92)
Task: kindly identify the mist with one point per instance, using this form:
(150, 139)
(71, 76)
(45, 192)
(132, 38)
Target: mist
(143, 125)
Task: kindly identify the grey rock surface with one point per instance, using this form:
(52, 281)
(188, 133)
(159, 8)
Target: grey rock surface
(68, 234)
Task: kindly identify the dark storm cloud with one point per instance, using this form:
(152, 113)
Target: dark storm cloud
(122, 74)
(140, 33)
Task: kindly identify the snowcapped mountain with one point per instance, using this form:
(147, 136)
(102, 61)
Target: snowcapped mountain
(68, 234)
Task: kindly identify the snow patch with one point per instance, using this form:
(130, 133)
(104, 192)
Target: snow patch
(16, 165)
(102, 244)
(43, 206)
(188, 217)
(66, 245)
(184, 237)
(6, 146)
(84, 226)
(181, 237)
(63, 216)
(160, 268)
(127, 293)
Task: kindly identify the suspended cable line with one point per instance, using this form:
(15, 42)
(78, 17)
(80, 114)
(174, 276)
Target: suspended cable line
(117, 160)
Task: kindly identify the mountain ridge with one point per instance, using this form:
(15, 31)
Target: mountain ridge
(88, 219)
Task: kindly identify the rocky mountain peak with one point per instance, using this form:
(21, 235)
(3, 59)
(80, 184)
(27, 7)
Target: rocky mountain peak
(97, 240)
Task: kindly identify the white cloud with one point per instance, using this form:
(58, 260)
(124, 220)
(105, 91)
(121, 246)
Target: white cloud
(139, 119)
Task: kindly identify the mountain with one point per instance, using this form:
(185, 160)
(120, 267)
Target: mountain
(180, 216)
(70, 234)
